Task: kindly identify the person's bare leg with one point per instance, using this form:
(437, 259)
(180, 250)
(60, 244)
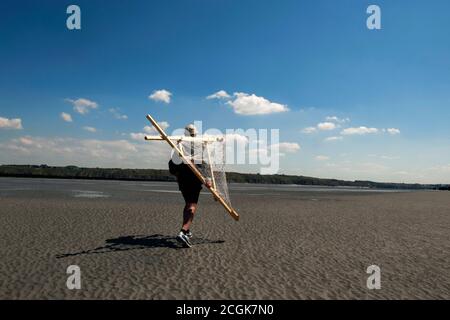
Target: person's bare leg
(188, 215)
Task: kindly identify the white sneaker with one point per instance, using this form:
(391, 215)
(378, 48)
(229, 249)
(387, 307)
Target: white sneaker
(184, 239)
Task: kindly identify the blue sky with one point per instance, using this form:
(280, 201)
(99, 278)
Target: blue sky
(316, 58)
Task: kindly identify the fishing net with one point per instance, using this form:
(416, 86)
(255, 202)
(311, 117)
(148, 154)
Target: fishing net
(209, 158)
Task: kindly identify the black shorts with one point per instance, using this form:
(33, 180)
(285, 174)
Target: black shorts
(190, 195)
(189, 184)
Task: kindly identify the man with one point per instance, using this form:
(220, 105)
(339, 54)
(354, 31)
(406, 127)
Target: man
(188, 183)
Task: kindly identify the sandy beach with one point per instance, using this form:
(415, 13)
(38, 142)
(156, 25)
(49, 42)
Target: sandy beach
(291, 242)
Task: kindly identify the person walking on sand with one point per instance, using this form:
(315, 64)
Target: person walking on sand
(188, 184)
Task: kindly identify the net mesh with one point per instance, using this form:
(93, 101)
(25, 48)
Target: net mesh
(209, 158)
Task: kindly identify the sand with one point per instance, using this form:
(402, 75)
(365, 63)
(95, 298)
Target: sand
(291, 243)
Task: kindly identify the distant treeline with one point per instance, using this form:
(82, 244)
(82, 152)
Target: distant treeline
(74, 172)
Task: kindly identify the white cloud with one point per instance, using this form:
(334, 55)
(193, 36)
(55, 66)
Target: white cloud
(237, 138)
(337, 119)
(247, 104)
(10, 148)
(359, 131)
(82, 105)
(289, 147)
(116, 113)
(322, 126)
(85, 152)
(6, 123)
(389, 157)
(326, 126)
(393, 131)
(161, 95)
(330, 139)
(440, 168)
(27, 141)
(258, 152)
(151, 130)
(222, 94)
(137, 136)
(259, 148)
(322, 158)
(66, 117)
(309, 130)
(90, 129)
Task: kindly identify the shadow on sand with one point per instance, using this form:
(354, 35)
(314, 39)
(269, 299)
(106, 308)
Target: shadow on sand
(137, 242)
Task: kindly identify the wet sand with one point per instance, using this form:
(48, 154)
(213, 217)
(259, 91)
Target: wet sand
(291, 242)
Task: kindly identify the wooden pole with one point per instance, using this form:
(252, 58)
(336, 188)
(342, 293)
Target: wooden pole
(184, 138)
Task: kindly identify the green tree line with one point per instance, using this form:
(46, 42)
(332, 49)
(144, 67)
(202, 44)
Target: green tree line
(74, 172)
